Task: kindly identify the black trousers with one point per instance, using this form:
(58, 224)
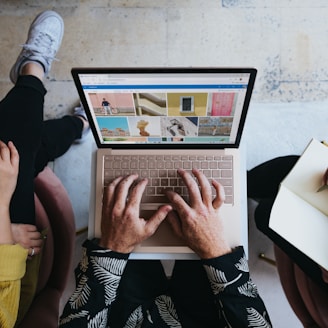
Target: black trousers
(37, 141)
(144, 280)
(263, 183)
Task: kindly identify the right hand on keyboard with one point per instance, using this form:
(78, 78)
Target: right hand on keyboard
(199, 223)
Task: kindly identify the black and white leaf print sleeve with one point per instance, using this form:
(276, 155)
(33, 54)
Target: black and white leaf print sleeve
(97, 278)
(236, 296)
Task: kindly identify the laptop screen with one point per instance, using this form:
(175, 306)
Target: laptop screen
(154, 107)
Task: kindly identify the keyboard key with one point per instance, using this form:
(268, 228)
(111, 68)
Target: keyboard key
(162, 172)
(154, 199)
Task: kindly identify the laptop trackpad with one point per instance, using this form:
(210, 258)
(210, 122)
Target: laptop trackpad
(164, 236)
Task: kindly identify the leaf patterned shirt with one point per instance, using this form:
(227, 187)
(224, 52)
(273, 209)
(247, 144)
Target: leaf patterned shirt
(98, 276)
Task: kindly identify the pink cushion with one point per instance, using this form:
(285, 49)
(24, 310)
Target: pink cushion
(42, 222)
(308, 301)
(55, 213)
(56, 202)
(325, 275)
(314, 298)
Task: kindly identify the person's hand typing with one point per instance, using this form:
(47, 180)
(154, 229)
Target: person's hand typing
(198, 223)
(122, 229)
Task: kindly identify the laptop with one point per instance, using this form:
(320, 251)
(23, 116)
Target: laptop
(152, 121)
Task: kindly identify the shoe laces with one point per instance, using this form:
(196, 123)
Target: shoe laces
(42, 45)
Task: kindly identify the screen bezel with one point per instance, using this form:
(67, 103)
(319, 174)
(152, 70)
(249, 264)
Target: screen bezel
(172, 70)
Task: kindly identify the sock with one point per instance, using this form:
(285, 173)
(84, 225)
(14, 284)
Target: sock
(30, 61)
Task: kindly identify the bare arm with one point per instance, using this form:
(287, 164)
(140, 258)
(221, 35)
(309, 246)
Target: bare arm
(13, 257)
(9, 160)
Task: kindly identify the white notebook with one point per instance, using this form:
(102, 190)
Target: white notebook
(300, 212)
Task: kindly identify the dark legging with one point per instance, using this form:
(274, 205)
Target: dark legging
(263, 183)
(189, 288)
(38, 142)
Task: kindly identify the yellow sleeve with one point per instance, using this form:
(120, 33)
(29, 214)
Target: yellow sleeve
(12, 270)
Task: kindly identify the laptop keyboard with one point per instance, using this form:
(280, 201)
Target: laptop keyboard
(161, 171)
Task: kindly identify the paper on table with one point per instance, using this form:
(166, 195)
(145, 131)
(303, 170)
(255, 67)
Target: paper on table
(306, 176)
(300, 213)
(302, 225)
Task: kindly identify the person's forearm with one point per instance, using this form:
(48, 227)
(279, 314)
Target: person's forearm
(97, 278)
(235, 295)
(6, 236)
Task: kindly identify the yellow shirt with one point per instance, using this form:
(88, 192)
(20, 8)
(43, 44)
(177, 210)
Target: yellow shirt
(12, 270)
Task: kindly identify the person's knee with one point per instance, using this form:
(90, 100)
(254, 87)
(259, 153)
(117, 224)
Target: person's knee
(262, 215)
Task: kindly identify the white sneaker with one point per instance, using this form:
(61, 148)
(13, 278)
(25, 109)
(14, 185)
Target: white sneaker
(79, 111)
(43, 41)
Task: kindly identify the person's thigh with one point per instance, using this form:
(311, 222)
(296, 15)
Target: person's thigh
(21, 114)
(192, 295)
(263, 180)
(57, 137)
(141, 282)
